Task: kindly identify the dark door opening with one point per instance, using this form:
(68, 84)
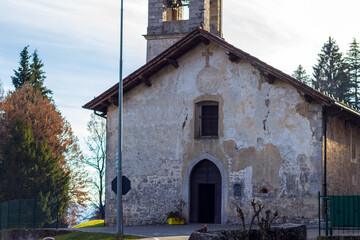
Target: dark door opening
(206, 203)
(205, 193)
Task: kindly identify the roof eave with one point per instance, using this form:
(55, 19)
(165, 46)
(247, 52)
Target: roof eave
(178, 49)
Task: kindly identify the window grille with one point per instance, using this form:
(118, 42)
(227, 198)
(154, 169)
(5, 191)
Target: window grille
(209, 120)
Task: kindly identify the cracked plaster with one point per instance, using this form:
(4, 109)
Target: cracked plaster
(159, 140)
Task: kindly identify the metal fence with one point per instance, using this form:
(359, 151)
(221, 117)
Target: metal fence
(29, 213)
(339, 215)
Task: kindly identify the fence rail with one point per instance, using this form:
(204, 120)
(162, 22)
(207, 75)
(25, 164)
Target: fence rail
(339, 215)
(29, 213)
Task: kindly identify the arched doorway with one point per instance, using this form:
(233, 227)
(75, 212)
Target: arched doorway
(205, 193)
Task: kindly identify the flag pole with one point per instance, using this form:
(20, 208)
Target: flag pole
(119, 208)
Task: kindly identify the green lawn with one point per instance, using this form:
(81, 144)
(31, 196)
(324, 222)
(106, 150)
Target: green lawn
(90, 224)
(91, 236)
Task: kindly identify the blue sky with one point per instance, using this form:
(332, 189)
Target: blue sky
(78, 41)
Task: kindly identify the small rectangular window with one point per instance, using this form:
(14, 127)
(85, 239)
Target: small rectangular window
(237, 190)
(209, 120)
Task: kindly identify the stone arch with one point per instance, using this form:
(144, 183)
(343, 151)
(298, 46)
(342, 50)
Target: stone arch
(224, 183)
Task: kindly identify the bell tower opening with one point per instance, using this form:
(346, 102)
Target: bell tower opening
(175, 10)
(170, 20)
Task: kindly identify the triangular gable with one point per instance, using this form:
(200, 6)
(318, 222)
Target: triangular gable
(170, 56)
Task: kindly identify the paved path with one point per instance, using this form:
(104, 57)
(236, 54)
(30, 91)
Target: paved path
(179, 232)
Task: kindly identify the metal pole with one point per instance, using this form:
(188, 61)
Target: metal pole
(319, 204)
(119, 214)
(57, 213)
(34, 213)
(325, 174)
(8, 216)
(19, 218)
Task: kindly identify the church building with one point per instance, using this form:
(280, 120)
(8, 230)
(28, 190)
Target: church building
(212, 126)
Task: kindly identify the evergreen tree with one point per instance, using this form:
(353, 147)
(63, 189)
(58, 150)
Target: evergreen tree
(331, 72)
(30, 73)
(37, 76)
(353, 61)
(300, 74)
(47, 125)
(22, 75)
(29, 170)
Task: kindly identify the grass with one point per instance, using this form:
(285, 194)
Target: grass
(91, 236)
(90, 224)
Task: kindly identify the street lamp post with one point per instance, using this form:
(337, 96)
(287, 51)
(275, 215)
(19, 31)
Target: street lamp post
(119, 208)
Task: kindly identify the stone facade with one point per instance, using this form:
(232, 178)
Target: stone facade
(269, 137)
(270, 128)
(343, 156)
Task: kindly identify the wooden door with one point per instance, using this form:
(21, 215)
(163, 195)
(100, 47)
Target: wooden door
(205, 193)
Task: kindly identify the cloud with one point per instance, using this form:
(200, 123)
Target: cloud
(78, 41)
(288, 33)
(89, 22)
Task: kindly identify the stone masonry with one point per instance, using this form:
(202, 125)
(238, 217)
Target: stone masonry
(162, 33)
(270, 140)
(269, 137)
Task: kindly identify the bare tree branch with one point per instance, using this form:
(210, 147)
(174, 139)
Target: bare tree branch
(96, 143)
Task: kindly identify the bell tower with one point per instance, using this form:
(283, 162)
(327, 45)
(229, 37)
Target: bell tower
(170, 20)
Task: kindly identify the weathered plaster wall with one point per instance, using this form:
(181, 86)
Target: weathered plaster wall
(343, 169)
(269, 136)
(110, 174)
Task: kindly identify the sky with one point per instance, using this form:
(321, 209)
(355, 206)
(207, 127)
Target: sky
(78, 41)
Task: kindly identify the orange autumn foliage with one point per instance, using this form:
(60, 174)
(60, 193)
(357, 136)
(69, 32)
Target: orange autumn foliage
(48, 125)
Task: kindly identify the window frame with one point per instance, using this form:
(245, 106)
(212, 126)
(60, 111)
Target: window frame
(199, 119)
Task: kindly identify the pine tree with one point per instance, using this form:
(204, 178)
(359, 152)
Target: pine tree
(22, 75)
(30, 73)
(28, 170)
(331, 74)
(37, 76)
(300, 74)
(353, 61)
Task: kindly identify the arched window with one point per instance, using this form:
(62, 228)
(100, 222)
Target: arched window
(264, 190)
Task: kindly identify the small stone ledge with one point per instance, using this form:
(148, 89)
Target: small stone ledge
(282, 232)
(31, 234)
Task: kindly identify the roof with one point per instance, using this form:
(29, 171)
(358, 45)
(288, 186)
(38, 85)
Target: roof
(191, 40)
